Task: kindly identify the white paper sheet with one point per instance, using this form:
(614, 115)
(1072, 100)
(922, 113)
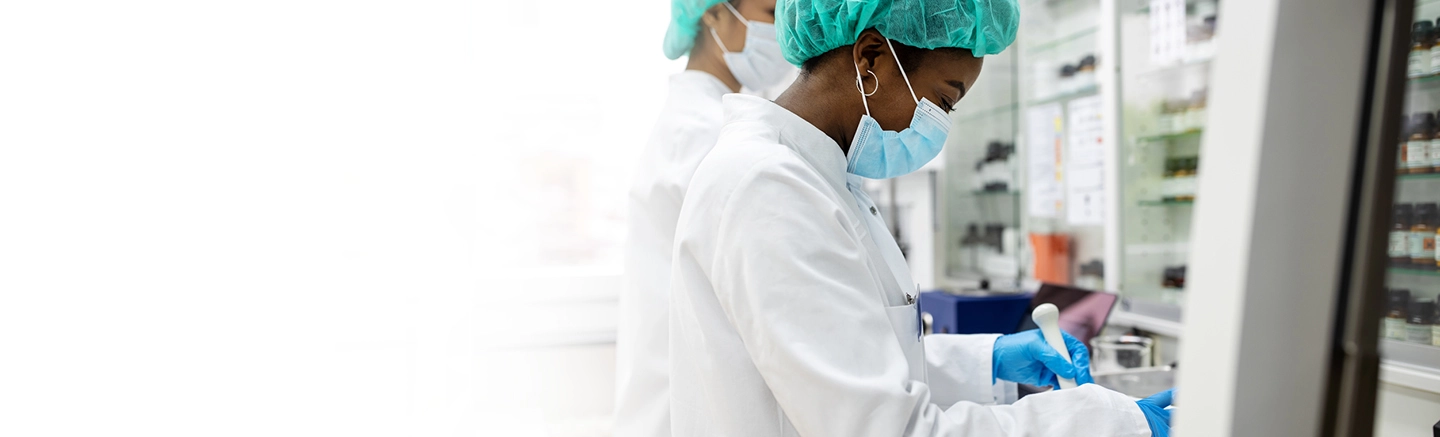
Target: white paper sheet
(1167, 31)
(1085, 164)
(1044, 137)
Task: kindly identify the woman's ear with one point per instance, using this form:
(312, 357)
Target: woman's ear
(868, 49)
(711, 18)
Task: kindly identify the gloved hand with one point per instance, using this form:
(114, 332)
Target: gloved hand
(1156, 414)
(1026, 358)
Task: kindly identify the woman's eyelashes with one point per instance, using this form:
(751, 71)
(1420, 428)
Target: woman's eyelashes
(947, 105)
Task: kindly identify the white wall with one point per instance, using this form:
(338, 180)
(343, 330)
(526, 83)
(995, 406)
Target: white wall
(1405, 412)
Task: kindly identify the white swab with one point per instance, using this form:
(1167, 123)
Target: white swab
(1047, 317)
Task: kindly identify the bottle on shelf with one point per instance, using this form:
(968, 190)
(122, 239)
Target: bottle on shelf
(1422, 236)
(1195, 112)
(1433, 152)
(1435, 326)
(1085, 73)
(1402, 153)
(1400, 235)
(1434, 50)
(1420, 43)
(1396, 314)
(1173, 277)
(1417, 148)
(1067, 79)
(1420, 324)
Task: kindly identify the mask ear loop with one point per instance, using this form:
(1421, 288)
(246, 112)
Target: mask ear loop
(902, 70)
(723, 49)
(742, 18)
(860, 85)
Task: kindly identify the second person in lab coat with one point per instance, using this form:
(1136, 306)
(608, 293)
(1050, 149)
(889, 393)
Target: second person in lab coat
(731, 45)
(792, 311)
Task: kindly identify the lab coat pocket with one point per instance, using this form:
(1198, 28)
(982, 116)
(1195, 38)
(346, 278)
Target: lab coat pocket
(905, 321)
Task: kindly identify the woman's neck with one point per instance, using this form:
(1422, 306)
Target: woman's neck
(707, 58)
(817, 102)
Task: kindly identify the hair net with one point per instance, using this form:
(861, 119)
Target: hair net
(808, 28)
(684, 25)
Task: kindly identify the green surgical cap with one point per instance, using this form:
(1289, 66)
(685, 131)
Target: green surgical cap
(809, 28)
(684, 25)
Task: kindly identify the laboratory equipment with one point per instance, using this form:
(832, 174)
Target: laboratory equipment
(1048, 318)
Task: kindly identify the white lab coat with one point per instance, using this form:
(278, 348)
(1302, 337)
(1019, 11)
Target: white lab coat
(792, 311)
(688, 126)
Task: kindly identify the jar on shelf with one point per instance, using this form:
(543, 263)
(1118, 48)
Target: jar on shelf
(1067, 79)
(1400, 235)
(1195, 113)
(1420, 324)
(1420, 44)
(1417, 146)
(1434, 150)
(1422, 236)
(1396, 314)
(1402, 155)
(1085, 73)
(1434, 50)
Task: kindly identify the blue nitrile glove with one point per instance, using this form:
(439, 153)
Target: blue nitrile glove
(1156, 414)
(1026, 358)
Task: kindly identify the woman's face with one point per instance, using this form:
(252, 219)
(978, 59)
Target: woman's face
(730, 28)
(941, 76)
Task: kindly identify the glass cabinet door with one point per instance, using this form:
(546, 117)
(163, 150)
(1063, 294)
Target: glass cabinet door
(1165, 49)
(1410, 329)
(978, 236)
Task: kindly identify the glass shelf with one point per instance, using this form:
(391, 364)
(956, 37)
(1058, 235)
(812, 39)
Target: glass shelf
(1428, 79)
(1166, 202)
(1404, 176)
(988, 194)
(1061, 40)
(1413, 271)
(1083, 92)
(1169, 136)
(1166, 71)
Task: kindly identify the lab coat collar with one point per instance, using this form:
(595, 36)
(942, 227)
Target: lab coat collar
(705, 82)
(791, 131)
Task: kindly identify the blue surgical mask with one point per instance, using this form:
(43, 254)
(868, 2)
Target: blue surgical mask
(876, 153)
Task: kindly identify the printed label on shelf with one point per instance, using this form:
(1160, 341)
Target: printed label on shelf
(1422, 245)
(1417, 154)
(1399, 244)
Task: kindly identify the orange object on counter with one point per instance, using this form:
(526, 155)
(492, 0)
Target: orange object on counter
(1052, 258)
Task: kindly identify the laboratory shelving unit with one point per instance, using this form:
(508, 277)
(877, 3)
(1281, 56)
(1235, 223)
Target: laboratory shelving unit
(1165, 51)
(1060, 64)
(980, 190)
(1403, 357)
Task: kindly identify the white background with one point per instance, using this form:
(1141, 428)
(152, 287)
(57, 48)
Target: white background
(303, 217)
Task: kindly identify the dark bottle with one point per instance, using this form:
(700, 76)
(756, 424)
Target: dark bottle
(1417, 146)
(1396, 314)
(1417, 326)
(1422, 236)
(1400, 235)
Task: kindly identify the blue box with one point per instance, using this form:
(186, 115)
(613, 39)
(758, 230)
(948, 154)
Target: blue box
(951, 314)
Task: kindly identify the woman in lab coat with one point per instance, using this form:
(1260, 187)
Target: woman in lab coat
(730, 45)
(792, 311)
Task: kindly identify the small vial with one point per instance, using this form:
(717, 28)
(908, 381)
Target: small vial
(1419, 326)
(1396, 314)
(1422, 236)
(1435, 326)
(1434, 149)
(1417, 146)
(1434, 49)
(1419, 61)
(1399, 250)
(1402, 161)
